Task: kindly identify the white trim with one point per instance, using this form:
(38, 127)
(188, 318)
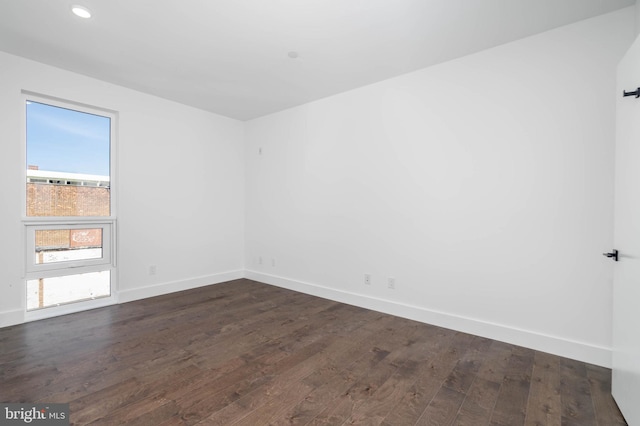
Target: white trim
(174, 286)
(66, 220)
(66, 103)
(63, 272)
(70, 308)
(19, 316)
(9, 318)
(36, 270)
(581, 351)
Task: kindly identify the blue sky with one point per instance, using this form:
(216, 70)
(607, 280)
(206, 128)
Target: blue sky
(63, 140)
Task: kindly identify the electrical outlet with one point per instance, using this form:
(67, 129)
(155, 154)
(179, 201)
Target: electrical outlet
(273, 262)
(391, 283)
(367, 279)
(259, 260)
(152, 269)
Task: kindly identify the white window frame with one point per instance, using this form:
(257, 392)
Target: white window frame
(107, 223)
(38, 268)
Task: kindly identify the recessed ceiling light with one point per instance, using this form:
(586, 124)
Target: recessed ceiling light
(293, 54)
(81, 11)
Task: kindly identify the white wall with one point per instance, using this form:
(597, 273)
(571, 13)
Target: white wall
(483, 185)
(637, 14)
(180, 186)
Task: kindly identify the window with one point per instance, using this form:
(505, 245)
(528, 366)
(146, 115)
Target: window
(69, 211)
(68, 162)
(53, 246)
(68, 289)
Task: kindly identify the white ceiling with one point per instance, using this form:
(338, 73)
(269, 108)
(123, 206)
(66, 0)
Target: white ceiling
(230, 56)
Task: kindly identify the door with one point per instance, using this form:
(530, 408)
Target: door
(626, 283)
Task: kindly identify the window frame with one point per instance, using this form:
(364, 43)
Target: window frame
(108, 261)
(76, 106)
(39, 268)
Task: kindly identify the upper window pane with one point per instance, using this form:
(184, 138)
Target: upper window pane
(68, 162)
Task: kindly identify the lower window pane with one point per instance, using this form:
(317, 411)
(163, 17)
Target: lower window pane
(48, 292)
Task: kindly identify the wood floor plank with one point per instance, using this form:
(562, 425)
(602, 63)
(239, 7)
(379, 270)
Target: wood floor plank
(510, 409)
(464, 373)
(333, 378)
(338, 410)
(247, 353)
(606, 409)
(420, 394)
(443, 409)
(285, 376)
(411, 364)
(98, 404)
(274, 409)
(153, 405)
(445, 405)
(496, 362)
(478, 404)
(577, 405)
(545, 405)
(410, 360)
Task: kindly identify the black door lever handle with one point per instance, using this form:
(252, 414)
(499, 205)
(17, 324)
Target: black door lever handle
(613, 254)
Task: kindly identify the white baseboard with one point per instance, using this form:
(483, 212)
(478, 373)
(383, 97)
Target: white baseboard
(173, 286)
(9, 318)
(581, 351)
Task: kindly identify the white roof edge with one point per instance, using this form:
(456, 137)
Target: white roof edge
(65, 175)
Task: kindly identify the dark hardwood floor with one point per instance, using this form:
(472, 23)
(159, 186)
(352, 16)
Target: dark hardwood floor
(245, 353)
